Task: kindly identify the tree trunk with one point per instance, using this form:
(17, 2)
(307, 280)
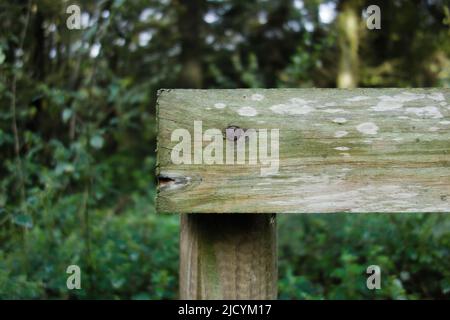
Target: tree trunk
(348, 40)
(190, 19)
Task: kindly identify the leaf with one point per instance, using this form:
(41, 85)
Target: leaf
(141, 296)
(64, 168)
(2, 56)
(118, 3)
(66, 115)
(23, 220)
(118, 283)
(89, 34)
(113, 92)
(97, 142)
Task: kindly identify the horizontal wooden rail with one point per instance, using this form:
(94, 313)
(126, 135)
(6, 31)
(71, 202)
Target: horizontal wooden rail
(362, 150)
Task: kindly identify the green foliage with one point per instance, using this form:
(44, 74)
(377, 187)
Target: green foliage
(132, 254)
(326, 256)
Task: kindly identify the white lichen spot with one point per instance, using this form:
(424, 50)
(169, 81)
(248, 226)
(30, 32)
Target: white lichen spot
(428, 112)
(340, 134)
(301, 101)
(387, 105)
(409, 96)
(397, 139)
(367, 128)
(291, 109)
(340, 120)
(436, 96)
(257, 97)
(358, 98)
(433, 129)
(334, 110)
(443, 103)
(403, 97)
(403, 117)
(219, 105)
(330, 104)
(247, 112)
(342, 148)
(445, 122)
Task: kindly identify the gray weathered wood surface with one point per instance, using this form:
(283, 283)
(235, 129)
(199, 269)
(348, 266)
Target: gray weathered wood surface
(228, 256)
(361, 150)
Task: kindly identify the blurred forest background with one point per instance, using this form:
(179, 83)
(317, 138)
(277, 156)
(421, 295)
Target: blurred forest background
(77, 138)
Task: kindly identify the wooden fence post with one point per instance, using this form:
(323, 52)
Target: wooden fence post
(227, 256)
(355, 151)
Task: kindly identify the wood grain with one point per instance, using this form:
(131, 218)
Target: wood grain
(228, 256)
(360, 150)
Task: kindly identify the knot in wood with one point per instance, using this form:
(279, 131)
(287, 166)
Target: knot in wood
(233, 133)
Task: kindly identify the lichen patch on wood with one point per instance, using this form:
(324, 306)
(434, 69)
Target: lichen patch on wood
(360, 150)
(247, 112)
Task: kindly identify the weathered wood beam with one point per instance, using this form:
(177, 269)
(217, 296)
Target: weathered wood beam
(361, 150)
